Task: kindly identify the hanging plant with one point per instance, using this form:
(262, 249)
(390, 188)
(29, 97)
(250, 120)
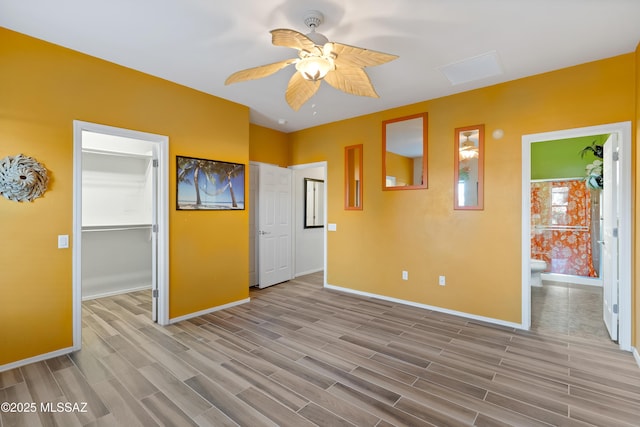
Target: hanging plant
(463, 173)
(594, 180)
(594, 148)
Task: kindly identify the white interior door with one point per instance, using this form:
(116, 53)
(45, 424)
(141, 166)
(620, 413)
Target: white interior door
(610, 209)
(275, 226)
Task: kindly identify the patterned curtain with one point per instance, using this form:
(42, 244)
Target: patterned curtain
(561, 226)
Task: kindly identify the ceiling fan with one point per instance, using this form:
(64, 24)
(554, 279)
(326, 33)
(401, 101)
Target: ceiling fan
(340, 65)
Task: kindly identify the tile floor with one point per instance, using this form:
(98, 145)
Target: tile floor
(570, 309)
(301, 355)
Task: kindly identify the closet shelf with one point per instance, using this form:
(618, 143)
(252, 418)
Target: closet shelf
(119, 227)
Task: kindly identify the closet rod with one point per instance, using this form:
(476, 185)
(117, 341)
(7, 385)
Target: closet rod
(115, 153)
(94, 228)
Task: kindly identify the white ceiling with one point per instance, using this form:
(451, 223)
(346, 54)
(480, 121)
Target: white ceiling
(199, 43)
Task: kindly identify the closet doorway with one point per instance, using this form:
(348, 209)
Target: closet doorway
(617, 289)
(120, 217)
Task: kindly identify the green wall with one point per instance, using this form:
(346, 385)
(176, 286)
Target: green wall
(561, 158)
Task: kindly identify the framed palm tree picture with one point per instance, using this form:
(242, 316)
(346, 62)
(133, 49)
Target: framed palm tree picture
(203, 184)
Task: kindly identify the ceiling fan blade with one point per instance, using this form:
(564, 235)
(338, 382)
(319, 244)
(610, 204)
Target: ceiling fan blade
(351, 56)
(300, 91)
(291, 38)
(351, 80)
(258, 72)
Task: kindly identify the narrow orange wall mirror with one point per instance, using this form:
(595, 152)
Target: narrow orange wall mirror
(404, 153)
(469, 168)
(353, 177)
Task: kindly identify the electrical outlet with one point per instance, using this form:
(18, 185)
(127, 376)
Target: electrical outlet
(405, 275)
(442, 281)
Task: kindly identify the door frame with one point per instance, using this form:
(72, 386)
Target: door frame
(161, 144)
(623, 129)
(325, 166)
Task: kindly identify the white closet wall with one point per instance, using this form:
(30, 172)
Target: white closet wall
(309, 241)
(116, 224)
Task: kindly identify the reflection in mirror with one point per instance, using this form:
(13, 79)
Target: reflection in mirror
(313, 203)
(469, 168)
(404, 147)
(353, 177)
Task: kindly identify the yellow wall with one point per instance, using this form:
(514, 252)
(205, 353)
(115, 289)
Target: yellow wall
(269, 146)
(418, 231)
(43, 88)
(401, 168)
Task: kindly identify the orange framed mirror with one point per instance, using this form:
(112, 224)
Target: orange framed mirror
(469, 168)
(404, 153)
(353, 177)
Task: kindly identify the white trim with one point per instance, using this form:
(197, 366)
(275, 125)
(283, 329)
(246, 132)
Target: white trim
(636, 356)
(35, 359)
(304, 273)
(426, 307)
(208, 311)
(623, 129)
(118, 292)
(309, 165)
(568, 278)
(162, 144)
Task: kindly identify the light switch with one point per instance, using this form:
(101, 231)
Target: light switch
(332, 227)
(63, 241)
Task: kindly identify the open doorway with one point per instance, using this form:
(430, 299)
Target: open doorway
(619, 325)
(120, 241)
(310, 224)
(300, 249)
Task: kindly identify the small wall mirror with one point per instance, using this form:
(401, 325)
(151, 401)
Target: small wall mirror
(404, 150)
(313, 203)
(353, 177)
(469, 168)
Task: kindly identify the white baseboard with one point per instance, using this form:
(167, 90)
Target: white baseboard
(45, 356)
(118, 292)
(304, 273)
(38, 358)
(427, 307)
(567, 278)
(207, 311)
(636, 355)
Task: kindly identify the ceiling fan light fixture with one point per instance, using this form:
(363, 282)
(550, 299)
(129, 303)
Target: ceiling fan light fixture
(468, 149)
(468, 153)
(317, 38)
(342, 65)
(312, 20)
(314, 67)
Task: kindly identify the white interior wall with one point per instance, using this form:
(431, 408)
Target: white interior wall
(116, 224)
(116, 190)
(309, 242)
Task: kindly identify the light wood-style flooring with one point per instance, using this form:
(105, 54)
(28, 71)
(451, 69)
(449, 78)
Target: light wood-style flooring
(301, 355)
